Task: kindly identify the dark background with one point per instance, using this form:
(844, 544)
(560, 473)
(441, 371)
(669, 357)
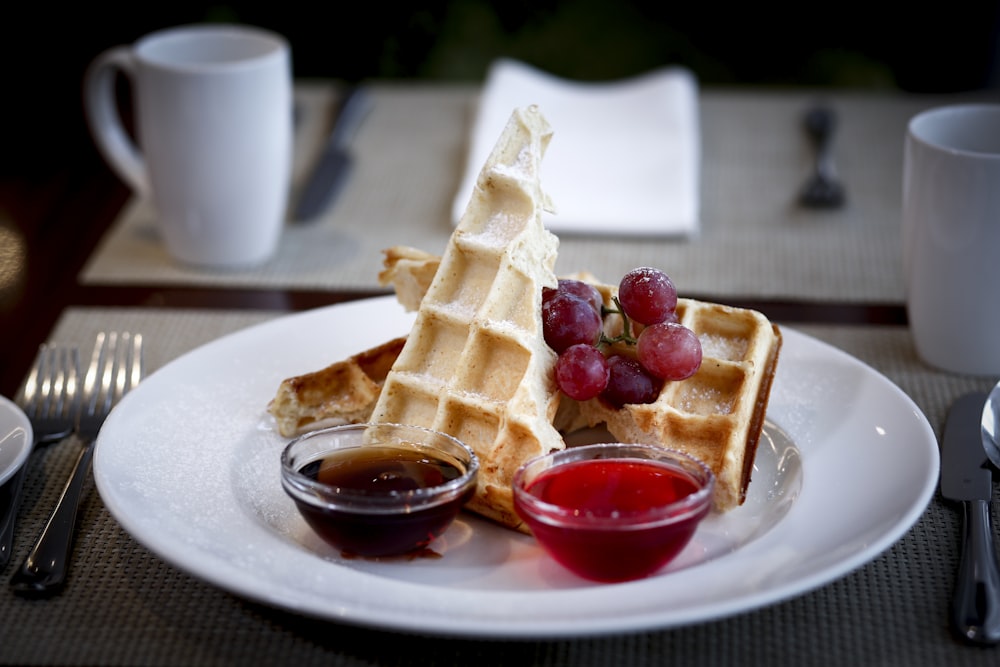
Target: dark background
(940, 48)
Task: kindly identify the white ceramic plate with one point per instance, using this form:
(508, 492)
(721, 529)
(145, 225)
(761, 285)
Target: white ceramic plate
(15, 438)
(188, 463)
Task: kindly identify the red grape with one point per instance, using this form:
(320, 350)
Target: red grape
(584, 290)
(574, 327)
(669, 351)
(629, 383)
(647, 295)
(582, 372)
(568, 320)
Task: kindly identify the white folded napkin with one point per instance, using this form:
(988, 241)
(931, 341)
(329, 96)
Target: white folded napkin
(624, 157)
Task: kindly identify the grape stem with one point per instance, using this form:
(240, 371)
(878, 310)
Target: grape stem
(626, 335)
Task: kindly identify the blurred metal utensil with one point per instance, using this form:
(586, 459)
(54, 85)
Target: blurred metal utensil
(990, 425)
(50, 400)
(115, 368)
(334, 164)
(823, 189)
(966, 477)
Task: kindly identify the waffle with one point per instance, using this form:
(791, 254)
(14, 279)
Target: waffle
(410, 272)
(716, 415)
(475, 364)
(343, 392)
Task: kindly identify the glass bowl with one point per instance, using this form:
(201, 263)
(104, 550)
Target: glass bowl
(613, 511)
(378, 489)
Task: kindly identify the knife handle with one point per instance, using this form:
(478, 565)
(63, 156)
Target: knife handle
(976, 601)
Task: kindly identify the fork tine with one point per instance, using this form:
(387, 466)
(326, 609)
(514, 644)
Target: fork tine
(30, 395)
(136, 367)
(91, 393)
(65, 399)
(128, 364)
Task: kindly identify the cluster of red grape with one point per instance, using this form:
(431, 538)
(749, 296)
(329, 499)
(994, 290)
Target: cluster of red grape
(591, 364)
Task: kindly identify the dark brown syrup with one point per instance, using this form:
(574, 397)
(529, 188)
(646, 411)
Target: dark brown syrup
(382, 471)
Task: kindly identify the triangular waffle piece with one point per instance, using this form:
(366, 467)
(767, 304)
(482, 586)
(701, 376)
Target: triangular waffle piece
(475, 364)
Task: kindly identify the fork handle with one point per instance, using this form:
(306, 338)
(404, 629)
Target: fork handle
(43, 571)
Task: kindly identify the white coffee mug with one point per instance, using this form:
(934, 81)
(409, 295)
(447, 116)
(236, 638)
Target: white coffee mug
(213, 117)
(951, 236)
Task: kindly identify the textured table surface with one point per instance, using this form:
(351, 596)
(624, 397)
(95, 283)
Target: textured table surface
(123, 605)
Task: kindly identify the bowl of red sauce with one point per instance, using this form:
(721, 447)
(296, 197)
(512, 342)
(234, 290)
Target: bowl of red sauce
(375, 490)
(613, 512)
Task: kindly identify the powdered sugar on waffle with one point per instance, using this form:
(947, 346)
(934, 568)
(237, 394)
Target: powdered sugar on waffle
(475, 364)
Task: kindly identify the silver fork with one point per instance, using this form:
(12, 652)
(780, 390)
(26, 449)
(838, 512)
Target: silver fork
(50, 400)
(115, 367)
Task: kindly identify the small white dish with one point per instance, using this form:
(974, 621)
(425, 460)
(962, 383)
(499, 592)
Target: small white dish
(624, 158)
(16, 438)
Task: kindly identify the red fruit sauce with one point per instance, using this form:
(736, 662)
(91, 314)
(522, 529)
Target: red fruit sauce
(611, 522)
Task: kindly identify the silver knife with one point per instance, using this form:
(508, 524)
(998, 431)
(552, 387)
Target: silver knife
(966, 477)
(334, 164)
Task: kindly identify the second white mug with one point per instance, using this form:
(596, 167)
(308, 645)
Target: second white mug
(951, 236)
(213, 116)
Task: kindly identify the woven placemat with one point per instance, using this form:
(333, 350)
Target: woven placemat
(754, 240)
(124, 606)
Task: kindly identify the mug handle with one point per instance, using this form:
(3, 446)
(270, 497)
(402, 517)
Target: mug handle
(105, 123)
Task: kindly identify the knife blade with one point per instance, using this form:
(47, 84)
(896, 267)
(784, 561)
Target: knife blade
(965, 472)
(334, 164)
(966, 477)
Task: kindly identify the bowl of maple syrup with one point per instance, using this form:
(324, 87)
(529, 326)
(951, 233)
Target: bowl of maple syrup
(375, 490)
(613, 512)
